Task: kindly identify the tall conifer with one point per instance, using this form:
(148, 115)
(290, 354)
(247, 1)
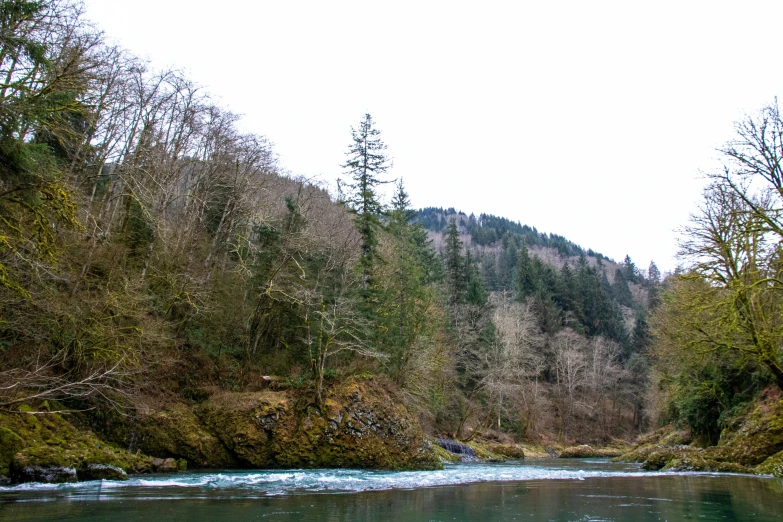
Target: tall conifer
(367, 162)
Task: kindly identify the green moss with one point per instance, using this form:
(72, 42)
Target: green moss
(656, 460)
(700, 463)
(639, 453)
(687, 458)
(773, 465)
(509, 451)
(757, 435)
(484, 451)
(534, 451)
(676, 438)
(243, 423)
(588, 452)
(749, 439)
(10, 444)
(174, 431)
(53, 440)
(360, 426)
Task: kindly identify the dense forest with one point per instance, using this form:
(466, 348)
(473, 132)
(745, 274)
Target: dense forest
(150, 249)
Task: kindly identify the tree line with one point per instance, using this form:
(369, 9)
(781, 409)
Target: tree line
(719, 331)
(147, 246)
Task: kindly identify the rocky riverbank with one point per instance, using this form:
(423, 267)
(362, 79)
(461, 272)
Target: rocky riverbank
(752, 442)
(361, 425)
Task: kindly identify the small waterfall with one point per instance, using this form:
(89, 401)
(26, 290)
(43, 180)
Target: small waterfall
(456, 447)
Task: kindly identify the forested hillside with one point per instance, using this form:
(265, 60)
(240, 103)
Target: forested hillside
(150, 252)
(568, 292)
(571, 286)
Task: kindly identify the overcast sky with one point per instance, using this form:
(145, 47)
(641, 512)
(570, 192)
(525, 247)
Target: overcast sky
(591, 120)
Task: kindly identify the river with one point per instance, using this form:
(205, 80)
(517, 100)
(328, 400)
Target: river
(568, 489)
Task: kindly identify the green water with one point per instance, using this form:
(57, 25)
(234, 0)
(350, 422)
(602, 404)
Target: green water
(549, 490)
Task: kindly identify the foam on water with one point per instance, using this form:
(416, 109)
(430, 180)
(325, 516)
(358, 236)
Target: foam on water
(271, 482)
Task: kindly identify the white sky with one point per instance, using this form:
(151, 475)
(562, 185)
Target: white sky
(587, 119)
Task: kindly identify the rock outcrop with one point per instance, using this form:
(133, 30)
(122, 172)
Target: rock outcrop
(752, 442)
(360, 425)
(171, 431)
(51, 448)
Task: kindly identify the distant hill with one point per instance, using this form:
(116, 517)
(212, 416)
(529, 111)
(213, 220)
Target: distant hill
(572, 286)
(488, 230)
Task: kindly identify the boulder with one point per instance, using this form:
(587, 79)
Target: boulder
(168, 465)
(585, 451)
(47, 474)
(772, 466)
(100, 472)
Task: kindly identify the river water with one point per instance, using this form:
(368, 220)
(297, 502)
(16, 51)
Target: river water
(568, 489)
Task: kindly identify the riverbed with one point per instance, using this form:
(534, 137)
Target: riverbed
(566, 489)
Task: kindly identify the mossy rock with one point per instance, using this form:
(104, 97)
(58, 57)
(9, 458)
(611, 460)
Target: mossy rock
(176, 432)
(757, 435)
(638, 453)
(585, 451)
(10, 444)
(772, 466)
(685, 458)
(699, 463)
(534, 451)
(100, 472)
(749, 440)
(244, 422)
(676, 438)
(50, 441)
(359, 426)
(660, 457)
(485, 451)
(509, 451)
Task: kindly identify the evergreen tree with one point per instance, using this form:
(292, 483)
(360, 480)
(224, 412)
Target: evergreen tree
(630, 271)
(567, 295)
(654, 290)
(366, 163)
(507, 263)
(404, 296)
(475, 291)
(550, 317)
(601, 313)
(653, 274)
(621, 290)
(454, 265)
(641, 333)
(402, 215)
(489, 271)
(527, 280)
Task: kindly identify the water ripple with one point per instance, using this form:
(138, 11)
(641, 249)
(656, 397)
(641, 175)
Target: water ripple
(274, 482)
